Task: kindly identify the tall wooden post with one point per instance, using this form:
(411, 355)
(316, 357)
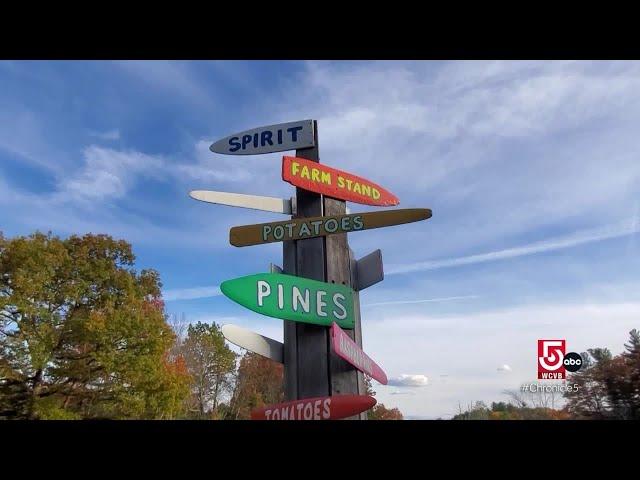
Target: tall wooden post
(310, 367)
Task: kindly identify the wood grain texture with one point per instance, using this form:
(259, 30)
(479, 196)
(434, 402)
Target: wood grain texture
(306, 345)
(344, 377)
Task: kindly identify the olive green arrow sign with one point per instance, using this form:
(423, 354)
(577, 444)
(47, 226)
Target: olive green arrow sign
(293, 298)
(309, 227)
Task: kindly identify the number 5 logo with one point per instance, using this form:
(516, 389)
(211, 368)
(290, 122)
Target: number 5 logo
(550, 358)
(553, 352)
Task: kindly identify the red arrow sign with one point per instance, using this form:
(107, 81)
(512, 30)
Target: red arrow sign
(334, 183)
(317, 408)
(352, 353)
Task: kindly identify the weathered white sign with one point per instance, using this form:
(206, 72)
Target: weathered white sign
(255, 202)
(267, 139)
(254, 342)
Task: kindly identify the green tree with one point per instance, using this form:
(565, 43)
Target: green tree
(210, 363)
(82, 334)
(632, 385)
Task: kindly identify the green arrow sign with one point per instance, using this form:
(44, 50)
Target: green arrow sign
(293, 298)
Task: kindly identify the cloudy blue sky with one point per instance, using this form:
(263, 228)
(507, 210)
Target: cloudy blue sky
(532, 170)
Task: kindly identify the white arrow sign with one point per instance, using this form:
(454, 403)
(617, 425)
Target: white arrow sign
(267, 139)
(255, 202)
(254, 342)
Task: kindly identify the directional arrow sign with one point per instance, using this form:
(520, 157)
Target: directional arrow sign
(255, 202)
(317, 408)
(349, 350)
(309, 227)
(293, 298)
(268, 139)
(334, 183)
(369, 270)
(254, 342)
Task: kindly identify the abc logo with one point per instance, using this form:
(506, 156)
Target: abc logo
(572, 362)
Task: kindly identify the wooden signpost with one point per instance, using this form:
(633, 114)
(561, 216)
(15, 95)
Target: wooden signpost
(322, 226)
(254, 342)
(319, 282)
(293, 298)
(319, 408)
(348, 350)
(334, 183)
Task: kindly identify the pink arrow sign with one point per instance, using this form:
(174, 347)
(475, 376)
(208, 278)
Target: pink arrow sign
(352, 353)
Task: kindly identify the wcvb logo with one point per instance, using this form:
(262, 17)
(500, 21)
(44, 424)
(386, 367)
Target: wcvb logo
(553, 363)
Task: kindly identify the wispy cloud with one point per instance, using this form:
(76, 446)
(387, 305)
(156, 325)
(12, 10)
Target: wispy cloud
(170, 77)
(107, 173)
(504, 368)
(191, 293)
(426, 300)
(578, 238)
(109, 135)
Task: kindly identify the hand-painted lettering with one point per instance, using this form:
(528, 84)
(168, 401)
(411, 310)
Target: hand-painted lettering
(320, 304)
(266, 137)
(294, 132)
(308, 411)
(298, 299)
(280, 296)
(235, 144)
(336, 302)
(264, 290)
(326, 411)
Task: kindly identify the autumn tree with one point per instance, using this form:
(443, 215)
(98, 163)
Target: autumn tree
(379, 411)
(509, 411)
(259, 381)
(210, 363)
(82, 333)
